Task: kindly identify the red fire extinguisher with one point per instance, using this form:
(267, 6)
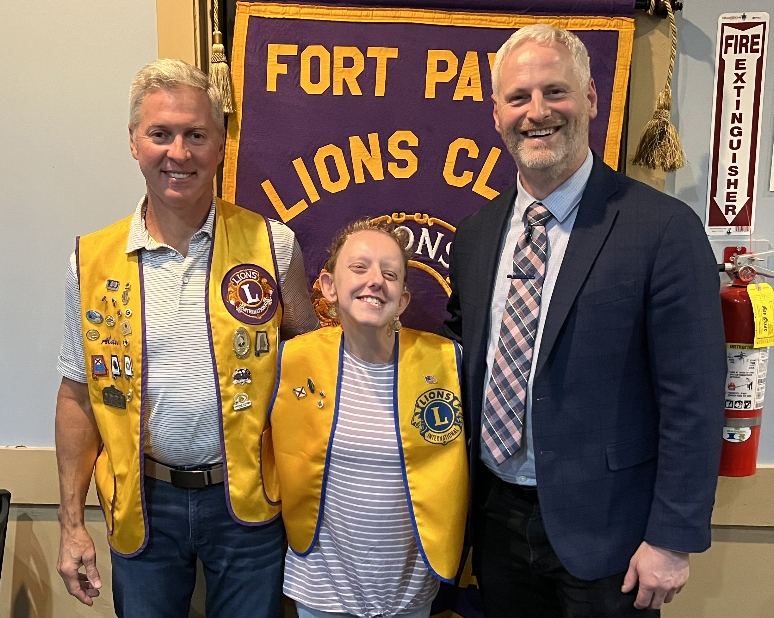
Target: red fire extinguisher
(747, 366)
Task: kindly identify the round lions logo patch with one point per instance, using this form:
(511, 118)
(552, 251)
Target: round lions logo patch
(250, 294)
(438, 416)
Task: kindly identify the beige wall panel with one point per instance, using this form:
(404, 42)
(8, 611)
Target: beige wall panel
(650, 60)
(732, 579)
(30, 586)
(733, 574)
(747, 501)
(30, 475)
(176, 22)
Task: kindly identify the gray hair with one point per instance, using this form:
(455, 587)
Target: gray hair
(168, 74)
(544, 34)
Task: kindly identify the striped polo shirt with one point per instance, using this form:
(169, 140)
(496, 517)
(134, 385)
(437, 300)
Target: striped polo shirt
(181, 408)
(366, 561)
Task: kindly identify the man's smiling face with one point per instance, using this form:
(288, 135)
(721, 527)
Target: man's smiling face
(178, 146)
(542, 111)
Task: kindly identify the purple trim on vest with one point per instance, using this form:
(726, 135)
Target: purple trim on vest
(263, 484)
(78, 275)
(276, 382)
(99, 502)
(268, 418)
(218, 395)
(78, 264)
(320, 511)
(112, 502)
(403, 467)
(276, 268)
(141, 446)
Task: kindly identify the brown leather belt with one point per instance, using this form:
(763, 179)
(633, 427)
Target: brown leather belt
(182, 478)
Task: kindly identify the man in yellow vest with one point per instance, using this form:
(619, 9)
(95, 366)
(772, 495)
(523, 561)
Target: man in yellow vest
(172, 322)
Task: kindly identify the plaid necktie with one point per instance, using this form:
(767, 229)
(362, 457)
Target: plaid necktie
(507, 389)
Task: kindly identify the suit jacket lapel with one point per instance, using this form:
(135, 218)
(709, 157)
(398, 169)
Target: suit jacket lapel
(491, 231)
(592, 225)
(495, 222)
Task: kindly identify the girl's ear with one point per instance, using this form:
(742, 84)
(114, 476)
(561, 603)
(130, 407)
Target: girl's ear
(327, 286)
(405, 298)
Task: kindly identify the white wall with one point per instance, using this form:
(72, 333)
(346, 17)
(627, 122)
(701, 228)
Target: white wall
(65, 170)
(697, 27)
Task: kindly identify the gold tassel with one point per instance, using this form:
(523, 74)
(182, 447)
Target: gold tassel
(220, 75)
(660, 144)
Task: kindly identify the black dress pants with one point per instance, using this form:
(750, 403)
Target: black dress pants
(520, 575)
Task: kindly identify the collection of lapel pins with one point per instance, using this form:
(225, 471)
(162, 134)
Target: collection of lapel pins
(111, 395)
(115, 398)
(300, 392)
(244, 348)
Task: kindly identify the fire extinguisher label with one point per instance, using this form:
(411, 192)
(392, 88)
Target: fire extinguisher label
(746, 379)
(736, 434)
(762, 299)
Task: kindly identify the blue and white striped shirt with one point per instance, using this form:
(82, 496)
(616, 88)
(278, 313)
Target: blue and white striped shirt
(366, 561)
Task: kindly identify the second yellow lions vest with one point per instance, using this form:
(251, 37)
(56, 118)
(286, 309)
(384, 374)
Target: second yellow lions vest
(243, 314)
(428, 424)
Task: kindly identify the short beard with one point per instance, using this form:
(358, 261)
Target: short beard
(554, 160)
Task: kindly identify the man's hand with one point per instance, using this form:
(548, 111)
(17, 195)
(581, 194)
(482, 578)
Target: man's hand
(77, 442)
(76, 550)
(661, 574)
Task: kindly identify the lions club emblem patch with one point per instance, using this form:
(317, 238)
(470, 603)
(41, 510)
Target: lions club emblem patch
(438, 416)
(250, 294)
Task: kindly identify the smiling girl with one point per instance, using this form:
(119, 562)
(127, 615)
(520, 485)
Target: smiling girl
(369, 445)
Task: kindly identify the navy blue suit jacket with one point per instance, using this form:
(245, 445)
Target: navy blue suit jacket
(627, 409)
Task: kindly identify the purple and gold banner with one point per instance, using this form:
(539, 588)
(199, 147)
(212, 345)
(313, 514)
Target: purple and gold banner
(346, 112)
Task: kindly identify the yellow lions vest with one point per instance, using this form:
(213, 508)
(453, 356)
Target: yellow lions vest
(243, 315)
(430, 434)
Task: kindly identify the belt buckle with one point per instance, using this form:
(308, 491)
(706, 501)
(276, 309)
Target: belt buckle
(188, 479)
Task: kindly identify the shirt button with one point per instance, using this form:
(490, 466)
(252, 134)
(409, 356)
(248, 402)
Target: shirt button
(522, 479)
(186, 279)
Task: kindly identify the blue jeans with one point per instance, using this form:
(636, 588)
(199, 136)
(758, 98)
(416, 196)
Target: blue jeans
(242, 564)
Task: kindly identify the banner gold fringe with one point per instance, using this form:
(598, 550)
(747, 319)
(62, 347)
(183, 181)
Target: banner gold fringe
(220, 75)
(660, 144)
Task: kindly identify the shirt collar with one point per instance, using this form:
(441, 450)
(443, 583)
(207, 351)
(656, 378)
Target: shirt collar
(139, 238)
(564, 199)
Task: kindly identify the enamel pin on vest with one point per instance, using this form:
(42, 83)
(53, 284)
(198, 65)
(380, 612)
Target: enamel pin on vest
(261, 342)
(241, 343)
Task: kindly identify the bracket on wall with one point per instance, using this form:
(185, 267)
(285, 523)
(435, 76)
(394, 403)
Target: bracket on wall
(660, 10)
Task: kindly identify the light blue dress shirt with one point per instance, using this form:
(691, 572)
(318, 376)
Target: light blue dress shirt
(563, 205)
